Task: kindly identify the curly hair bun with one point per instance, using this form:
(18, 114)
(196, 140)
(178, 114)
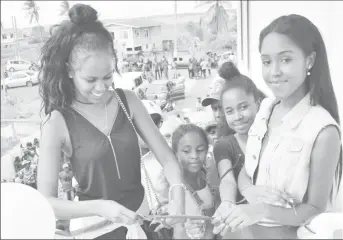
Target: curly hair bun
(228, 70)
(82, 14)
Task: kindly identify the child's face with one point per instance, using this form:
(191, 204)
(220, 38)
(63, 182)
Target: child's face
(284, 65)
(240, 110)
(192, 151)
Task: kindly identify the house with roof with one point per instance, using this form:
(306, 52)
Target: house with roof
(132, 36)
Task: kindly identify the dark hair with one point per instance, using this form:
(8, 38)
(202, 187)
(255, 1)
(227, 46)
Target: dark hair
(184, 129)
(29, 144)
(307, 37)
(228, 70)
(234, 79)
(83, 32)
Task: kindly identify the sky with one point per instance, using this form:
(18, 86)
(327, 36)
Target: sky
(49, 10)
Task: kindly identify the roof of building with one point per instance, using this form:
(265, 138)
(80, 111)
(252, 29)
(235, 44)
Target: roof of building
(135, 23)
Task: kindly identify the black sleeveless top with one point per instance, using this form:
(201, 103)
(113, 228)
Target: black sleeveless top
(94, 162)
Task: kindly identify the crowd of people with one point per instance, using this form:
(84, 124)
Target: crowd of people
(254, 172)
(155, 68)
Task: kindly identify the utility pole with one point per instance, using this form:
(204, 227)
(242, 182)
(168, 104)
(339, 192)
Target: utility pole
(14, 24)
(175, 34)
(175, 28)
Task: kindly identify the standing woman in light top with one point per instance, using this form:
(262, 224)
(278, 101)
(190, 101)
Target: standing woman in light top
(294, 143)
(87, 122)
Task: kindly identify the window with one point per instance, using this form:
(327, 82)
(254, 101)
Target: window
(4, 36)
(21, 76)
(146, 46)
(30, 73)
(12, 35)
(128, 49)
(124, 34)
(138, 48)
(153, 45)
(18, 76)
(146, 33)
(136, 32)
(22, 62)
(15, 62)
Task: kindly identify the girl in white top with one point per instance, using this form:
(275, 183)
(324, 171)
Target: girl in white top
(294, 143)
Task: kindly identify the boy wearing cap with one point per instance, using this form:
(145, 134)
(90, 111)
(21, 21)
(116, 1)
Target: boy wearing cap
(66, 177)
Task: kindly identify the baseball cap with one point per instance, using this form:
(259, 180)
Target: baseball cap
(214, 94)
(154, 111)
(210, 125)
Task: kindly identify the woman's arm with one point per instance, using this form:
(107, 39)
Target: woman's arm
(51, 143)
(158, 145)
(228, 185)
(322, 172)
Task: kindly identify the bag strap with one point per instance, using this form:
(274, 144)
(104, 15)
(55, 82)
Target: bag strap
(149, 184)
(122, 96)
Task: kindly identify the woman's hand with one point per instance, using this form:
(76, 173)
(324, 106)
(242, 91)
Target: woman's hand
(222, 212)
(115, 212)
(262, 194)
(245, 215)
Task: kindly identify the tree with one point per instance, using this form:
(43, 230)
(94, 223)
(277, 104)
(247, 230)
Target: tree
(216, 19)
(65, 6)
(32, 11)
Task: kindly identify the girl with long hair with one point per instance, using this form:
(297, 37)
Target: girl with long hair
(294, 143)
(95, 128)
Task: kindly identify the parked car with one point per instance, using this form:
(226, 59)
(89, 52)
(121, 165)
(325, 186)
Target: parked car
(17, 65)
(182, 61)
(22, 78)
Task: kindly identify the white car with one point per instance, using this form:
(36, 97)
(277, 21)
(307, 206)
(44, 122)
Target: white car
(17, 65)
(22, 78)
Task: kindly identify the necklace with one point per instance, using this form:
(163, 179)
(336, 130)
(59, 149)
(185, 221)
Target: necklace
(106, 118)
(83, 102)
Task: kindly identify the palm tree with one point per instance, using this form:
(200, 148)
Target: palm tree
(32, 11)
(216, 19)
(65, 6)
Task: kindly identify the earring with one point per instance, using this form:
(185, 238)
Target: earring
(309, 71)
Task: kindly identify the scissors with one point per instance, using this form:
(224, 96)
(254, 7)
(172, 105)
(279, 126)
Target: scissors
(181, 217)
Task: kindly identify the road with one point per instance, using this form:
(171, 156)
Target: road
(31, 100)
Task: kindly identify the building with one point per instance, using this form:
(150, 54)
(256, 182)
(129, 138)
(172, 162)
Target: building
(132, 36)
